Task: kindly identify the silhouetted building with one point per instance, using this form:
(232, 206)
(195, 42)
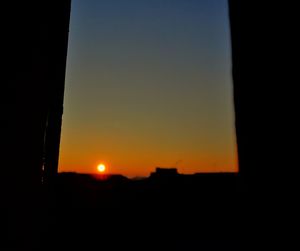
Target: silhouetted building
(164, 172)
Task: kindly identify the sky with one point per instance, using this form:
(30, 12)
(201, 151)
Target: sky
(148, 84)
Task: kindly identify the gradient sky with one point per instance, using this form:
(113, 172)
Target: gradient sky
(148, 84)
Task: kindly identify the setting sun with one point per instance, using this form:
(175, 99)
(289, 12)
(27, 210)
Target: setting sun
(101, 168)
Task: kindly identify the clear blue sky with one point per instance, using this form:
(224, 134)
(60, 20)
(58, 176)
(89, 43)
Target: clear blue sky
(148, 84)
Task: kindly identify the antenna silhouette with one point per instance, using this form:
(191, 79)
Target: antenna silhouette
(177, 162)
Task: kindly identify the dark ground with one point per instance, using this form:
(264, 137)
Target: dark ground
(199, 212)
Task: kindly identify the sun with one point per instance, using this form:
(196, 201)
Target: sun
(101, 168)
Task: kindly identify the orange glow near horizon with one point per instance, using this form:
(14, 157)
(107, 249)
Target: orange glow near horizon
(127, 164)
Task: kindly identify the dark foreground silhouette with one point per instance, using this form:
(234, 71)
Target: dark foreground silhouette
(169, 212)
